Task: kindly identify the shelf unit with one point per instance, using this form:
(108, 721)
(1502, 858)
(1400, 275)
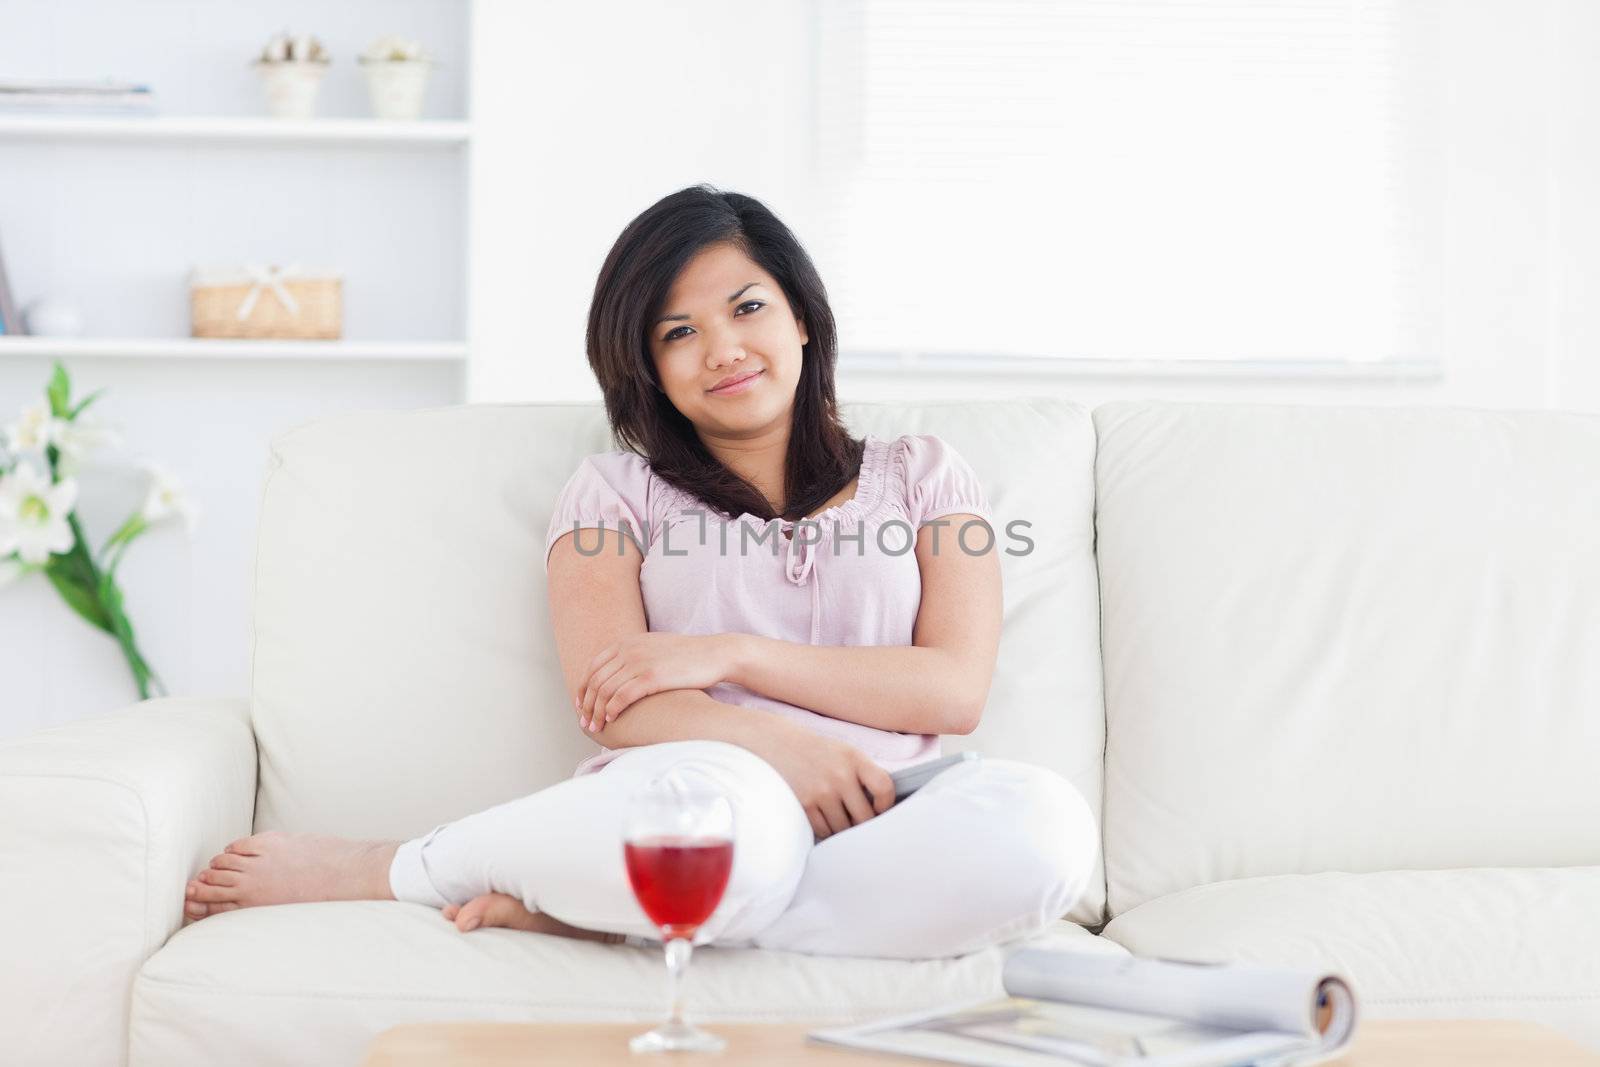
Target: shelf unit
(427, 135)
(223, 129)
(207, 348)
(109, 212)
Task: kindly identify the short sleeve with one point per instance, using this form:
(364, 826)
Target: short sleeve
(939, 481)
(610, 490)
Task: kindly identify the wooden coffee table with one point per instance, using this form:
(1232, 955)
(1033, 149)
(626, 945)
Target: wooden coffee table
(1467, 1043)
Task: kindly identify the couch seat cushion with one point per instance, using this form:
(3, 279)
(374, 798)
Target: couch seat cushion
(309, 984)
(1471, 943)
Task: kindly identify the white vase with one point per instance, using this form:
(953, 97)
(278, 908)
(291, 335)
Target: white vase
(50, 317)
(291, 87)
(396, 86)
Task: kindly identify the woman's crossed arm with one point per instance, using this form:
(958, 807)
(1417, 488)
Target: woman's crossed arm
(938, 684)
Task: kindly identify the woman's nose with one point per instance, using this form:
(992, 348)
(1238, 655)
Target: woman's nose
(724, 352)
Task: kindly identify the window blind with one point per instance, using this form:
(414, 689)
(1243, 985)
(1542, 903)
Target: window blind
(1121, 179)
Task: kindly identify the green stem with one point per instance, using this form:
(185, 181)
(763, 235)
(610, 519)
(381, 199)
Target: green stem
(133, 527)
(102, 607)
(75, 576)
(122, 630)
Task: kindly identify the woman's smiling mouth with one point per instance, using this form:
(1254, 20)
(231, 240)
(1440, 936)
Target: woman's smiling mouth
(738, 385)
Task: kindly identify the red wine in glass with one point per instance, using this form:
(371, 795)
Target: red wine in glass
(677, 844)
(679, 880)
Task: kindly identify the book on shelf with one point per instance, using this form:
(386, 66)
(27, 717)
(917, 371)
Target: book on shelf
(55, 96)
(1065, 1007)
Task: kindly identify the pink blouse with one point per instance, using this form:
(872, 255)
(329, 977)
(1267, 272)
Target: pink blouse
(848, 576)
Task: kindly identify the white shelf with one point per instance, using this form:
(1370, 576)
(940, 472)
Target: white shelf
(202, 348)
(438, 133)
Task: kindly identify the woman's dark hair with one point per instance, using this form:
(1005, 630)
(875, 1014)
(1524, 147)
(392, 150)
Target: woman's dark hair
(631, 293)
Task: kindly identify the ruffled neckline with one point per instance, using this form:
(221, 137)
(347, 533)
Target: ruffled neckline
(868, 495)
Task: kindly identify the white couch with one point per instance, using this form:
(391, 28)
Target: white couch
(1328, 676)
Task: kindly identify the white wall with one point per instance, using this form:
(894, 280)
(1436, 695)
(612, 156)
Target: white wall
(625, 103)
(1574, 216)
(709, 90)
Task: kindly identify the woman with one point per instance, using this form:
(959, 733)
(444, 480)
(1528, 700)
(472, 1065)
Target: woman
(752, 598)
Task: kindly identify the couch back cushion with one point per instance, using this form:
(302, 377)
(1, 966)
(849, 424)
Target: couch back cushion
(1346, 639)
(404, 670)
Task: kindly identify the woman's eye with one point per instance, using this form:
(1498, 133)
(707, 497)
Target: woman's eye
(672, 335)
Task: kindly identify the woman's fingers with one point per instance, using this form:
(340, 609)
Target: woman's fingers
(600, 688)
(833, 812)
(626, 693)
(608, 708)
(819, 825)
(880, 786)
(858, 804)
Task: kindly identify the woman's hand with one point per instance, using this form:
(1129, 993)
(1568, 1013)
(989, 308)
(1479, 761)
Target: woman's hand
(835, 782)
(645, 663)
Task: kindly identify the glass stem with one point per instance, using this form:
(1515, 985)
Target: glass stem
(678, 951)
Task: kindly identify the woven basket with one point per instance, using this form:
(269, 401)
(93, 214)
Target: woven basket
(217, 296)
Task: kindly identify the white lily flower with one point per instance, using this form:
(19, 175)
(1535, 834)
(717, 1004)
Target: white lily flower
(35, 431)
(167, 498)
(78, 438)
(83, 435)
(33, 514)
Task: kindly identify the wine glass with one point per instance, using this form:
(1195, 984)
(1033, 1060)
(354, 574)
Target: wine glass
(678, 844)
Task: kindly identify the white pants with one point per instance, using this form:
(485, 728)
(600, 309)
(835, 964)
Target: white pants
(987, 852)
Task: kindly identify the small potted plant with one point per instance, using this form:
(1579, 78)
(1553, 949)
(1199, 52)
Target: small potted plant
(397, 75)
(291, 70)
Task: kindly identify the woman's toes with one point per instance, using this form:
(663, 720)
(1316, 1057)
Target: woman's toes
(224, 878)
(252, 845)
(504, 910)
(206, 893)
(501, 909)
(227, 861)
(450, 911)
(470, 917)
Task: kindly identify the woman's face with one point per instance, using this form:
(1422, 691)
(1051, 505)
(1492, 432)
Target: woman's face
(726, 318)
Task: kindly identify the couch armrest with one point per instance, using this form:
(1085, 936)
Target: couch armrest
(102, 821)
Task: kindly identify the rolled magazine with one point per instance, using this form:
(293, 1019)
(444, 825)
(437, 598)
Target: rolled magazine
(1104, 1010)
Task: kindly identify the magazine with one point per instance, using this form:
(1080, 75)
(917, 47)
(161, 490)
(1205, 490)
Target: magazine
(89, 97)
(1104, 1010)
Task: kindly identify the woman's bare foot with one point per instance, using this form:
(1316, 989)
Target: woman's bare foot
(498, 909)
(280, 868)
